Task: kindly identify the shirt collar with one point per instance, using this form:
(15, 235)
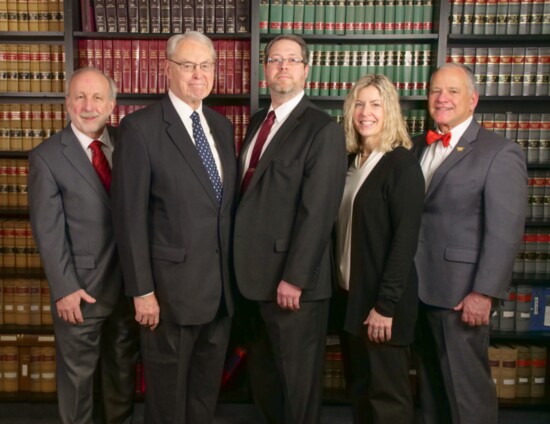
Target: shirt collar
(85, 140)
(183, 109)
(458, 131)
(284, 110)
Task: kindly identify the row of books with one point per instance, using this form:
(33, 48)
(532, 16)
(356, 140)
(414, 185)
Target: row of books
(538, 195)
(166, 16)
(25, 301)
(13, 182)
(24, 126)
(333, 372)
(506, 71)
(138, 66)
(346, 17)
(527, 308)
(533, 256)
(31, 15)
(335, 68)
(486, 17)
(530, 130)
(27, 363)
(17, 246)
(32, 67)
(519, 371)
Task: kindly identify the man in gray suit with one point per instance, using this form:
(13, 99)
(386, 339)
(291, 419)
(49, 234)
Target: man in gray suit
(474, 212)
(292, 171)
(71, 220)
(173, 190)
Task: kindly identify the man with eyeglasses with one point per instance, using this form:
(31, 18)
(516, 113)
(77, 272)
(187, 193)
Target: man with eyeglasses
(292, 173)
(172, 192)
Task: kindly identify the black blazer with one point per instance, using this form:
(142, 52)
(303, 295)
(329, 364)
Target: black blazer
(386, 219)
(172, 236)
(283, 221)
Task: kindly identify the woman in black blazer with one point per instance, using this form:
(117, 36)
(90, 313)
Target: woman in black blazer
(377, 235)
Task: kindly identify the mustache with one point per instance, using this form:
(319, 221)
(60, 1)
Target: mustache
(89, 115)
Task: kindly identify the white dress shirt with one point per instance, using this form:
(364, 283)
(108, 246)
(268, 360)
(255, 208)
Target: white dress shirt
(106, 144)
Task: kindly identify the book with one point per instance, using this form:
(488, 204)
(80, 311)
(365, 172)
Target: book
(501, 20)
(242, 15)
(133, 16)
(143, 16)
(530, 71)
(100, 16)
(490, 17)
(495, 357)
(480, 9)
(524, 25)
(512, 21)
(188, 15)
(468, 12)
(199, 16)
(287, 18)
(110, 8)
(298, 20)
(230, 17)
(508, 372)
(122, 15)
(543, 72)
(176, 16)
(210, 16)
(154, 16)
(263, 16)
(219, 19)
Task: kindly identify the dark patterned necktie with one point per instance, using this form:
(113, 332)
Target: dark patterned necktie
(206, 155)
(100, 163)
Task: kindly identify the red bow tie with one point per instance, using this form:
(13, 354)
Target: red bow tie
(434, 136)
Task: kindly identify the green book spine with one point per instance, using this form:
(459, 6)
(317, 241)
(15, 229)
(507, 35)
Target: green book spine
(491, 17)
(525, 8)
(261, 73)
(316, 71)
(326, 64)
(276, 17)
(379, 17)
(298, 24)
(287, 17)
(546, 18)
(537, 14)
(418, 16)
(468, 17)
(427, 17)
(349, 25)
(363, 60)
(389, 17)
(480, 69)
(390, 57)
(354, 63)
(399, 50)
(359, 22)
(307, 90)
(408, 19)
(371, 59)
(480, 8)
(407, 84)
(309, 17)
(340, 18)
(380, 50)
(512, 21)
(336, 62)
(455, 20)
(330, 16)
(345, 58)
(501, 17)
(320, 16)
(424, 70)
(400, 17)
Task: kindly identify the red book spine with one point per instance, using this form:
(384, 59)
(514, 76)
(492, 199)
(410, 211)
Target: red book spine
(108, 58)
(153, 66)
(117, 64)
(161, 68)
(216, 74)
(221, 66)
(126, 66)
(82, 56)
(238, 70)
(143, 66)
(98, 54)
(135, 51)
(230, 67)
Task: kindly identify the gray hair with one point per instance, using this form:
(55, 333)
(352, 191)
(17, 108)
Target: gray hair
(110, 81)
(471, 78)
(191, 35)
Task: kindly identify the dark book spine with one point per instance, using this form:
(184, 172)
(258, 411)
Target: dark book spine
(133, 16)
(100, 17)
(165, 16)
(144, 19)
(209, 16)
(199, 15)
(188, 15)
(219, 20)
(177, 16)
(122, 15)
(230, 17)
(110, 15)
(242, 16)
(154, 16)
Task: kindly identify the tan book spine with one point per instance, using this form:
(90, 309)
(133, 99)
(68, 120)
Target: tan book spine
(47, 120)
(8, 237)
(26, 132)
(1, 303)
(12, 185)
(43, 16)
(47, 370)
(57, 117)
(45, 301)
(53, 9)
(508, 372)
(2, 246)
(11, 369)
(9, 301)
(24, 368)
(34, 68)
(22, 301)
(37, 135)
(3, 67)
(34, 368)
(22, 15)
(20, 237)
(523, 383)
(4, 128)
(33, 15)
(56, 60)
(13, 25)
(15, 127)
(34, 302)
(494, 363)
(45, 68)
(3, 185)
(3, 17)
(12, 74)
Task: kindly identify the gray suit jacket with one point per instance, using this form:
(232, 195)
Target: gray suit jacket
(70, 215)
(473, 219)
(172, 236)
(284, 219)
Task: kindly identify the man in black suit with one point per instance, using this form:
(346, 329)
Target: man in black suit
(289, 200)
(173, 189)
(474, 211)
(70, 214)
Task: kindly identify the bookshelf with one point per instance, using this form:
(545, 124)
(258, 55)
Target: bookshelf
(361, 43)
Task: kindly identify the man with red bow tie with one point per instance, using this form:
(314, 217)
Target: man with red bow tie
(476, 186)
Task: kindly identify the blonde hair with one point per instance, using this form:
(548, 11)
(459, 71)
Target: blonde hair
(394, 131)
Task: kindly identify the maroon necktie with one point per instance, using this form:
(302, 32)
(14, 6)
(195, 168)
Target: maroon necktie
(257, 150)
(433, 136)
(99, 161)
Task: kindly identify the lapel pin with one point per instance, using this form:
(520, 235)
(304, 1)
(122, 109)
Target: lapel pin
(459, 149)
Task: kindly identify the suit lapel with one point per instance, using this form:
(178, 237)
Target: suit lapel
(181, 138)
(79, 160)
(463, 147)
(251, 131)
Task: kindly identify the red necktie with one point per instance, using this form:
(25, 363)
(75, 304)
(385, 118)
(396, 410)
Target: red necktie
(257, 150)
(99, 161)
(435, 136)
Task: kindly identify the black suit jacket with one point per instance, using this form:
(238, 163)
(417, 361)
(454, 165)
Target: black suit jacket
(387, 211)
(172, 235)
(284, 219)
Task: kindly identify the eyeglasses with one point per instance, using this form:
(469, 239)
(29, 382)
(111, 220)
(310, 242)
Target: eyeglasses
(278, 61)
(189, 67)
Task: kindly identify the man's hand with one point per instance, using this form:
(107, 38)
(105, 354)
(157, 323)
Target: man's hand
(288, 296)
(147, 311)
(476, 308)
(68, 307)
(379, 327)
